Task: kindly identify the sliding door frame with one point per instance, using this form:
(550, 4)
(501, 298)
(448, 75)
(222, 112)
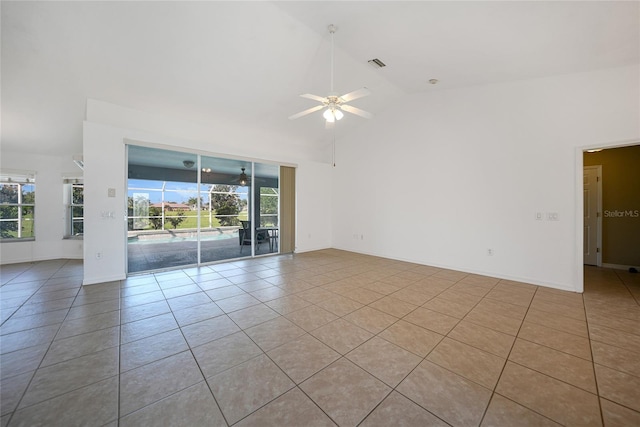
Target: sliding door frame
(290, 222)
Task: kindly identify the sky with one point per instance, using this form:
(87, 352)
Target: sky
(178, 192)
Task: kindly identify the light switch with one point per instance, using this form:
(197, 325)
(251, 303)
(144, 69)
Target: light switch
(111, 192)
(538, 216)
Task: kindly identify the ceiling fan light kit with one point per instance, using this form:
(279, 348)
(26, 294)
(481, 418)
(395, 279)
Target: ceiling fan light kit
(332, 114)
(335, 104)
(243, 179)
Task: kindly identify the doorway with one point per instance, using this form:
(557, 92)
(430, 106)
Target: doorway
(619, 205)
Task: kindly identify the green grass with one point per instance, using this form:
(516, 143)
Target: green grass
(191, 220)
(27, 229)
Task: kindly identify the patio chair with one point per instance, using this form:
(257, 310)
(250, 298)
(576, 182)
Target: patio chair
(261, 236)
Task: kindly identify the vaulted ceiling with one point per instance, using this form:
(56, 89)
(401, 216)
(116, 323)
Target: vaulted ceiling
(248, 62)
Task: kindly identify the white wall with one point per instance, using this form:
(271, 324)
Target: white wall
(313, 207)
(442, 176)
(50, 210)
(107, 129)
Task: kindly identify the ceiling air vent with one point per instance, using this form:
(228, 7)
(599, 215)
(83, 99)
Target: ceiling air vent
(377, 63)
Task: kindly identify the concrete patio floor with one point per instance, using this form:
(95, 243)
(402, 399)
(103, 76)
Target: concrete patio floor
(149, 256)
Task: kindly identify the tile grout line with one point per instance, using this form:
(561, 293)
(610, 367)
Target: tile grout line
(522, 321)
(35, 371)
(353, 273)
(624, 283)
(341, 356)
(493, 392)
(166, 357)
(394, 389)
(195, 359)
(120, 286)
(535, 370)
(593, 360)
(295, 385)
(278, 366)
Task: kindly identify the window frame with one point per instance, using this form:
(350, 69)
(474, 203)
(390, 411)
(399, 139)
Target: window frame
(19, 180)
(70, 205)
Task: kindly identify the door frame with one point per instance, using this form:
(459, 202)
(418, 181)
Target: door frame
(579, 204)
(199, 154)
(598, 201)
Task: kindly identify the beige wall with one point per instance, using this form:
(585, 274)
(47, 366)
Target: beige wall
(620, 203)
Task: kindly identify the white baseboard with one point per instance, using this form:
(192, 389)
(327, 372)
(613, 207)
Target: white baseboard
(522, 279)
(619, 267)
(103, 279)
(36, 259)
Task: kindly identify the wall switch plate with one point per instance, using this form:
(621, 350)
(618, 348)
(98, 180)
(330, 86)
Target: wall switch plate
(111, 192)
(539, 216)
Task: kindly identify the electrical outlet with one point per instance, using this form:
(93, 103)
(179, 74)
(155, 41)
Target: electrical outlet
(489, 252)
(98, 255)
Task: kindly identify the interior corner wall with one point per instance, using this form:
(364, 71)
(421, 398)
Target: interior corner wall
(105, 168)
(620, 204)
(444, 176)
(50, 215)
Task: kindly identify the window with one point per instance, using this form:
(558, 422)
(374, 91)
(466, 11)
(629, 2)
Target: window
(17, 206)
(74, 198)
(269, 206)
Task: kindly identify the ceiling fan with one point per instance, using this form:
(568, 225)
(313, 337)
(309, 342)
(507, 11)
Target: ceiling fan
(244, 179)
(335, 104)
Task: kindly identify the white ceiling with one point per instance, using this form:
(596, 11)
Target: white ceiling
(248, 62)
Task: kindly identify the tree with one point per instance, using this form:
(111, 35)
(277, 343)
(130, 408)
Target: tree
(129, 213)
(155, 217)
(8, 194)
(268, 206)
(176, 220)
(226, 204)
(77, 194)
(193, 202)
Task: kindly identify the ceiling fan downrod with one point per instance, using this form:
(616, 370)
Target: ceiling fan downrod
(332, 30)
(334, 103)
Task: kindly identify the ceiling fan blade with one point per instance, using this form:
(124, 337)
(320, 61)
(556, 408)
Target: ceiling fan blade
(356, 111)
(305, 112)
(314, 97)
(356, 94)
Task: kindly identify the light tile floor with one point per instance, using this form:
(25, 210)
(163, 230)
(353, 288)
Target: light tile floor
(320, 338)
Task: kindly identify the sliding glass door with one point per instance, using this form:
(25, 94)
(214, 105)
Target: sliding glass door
(266, 197)
(188, 209)
(224, 194)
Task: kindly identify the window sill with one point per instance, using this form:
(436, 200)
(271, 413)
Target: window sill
(22, 239)
(73, 238)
